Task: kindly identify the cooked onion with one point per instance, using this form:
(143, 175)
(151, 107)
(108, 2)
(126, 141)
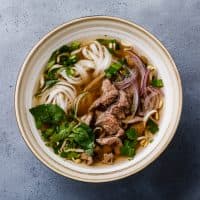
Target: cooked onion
(134, 60)
(145, 80)
(127, 81)
(131, 81)
(94, 82)
(152, 99)
(77, 101)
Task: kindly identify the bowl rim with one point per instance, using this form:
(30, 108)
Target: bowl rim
(64, 25)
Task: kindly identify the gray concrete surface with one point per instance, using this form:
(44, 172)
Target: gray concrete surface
(176, 174)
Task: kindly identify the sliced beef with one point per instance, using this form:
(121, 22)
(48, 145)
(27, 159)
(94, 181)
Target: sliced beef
(121, 107)
(109, 141)
(129, 94)
(107, 86)
(110, 124)
(109, 95)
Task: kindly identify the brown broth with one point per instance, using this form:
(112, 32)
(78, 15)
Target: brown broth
(90, 97)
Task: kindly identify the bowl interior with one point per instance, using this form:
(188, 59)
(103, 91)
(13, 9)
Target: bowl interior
(89, 28)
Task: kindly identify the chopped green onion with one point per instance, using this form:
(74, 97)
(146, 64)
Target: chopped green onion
(50, 64)
(50, 83)
(113, 69)
(63, 49)
(106, 41)
(111, 44)
(74, 45)
(70, 71)
(63, 58)
(157, 83)
(72, 59)
(51, 75)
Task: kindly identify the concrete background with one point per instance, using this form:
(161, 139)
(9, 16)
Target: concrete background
(176, 174)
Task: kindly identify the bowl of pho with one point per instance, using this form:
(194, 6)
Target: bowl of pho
(98, 99)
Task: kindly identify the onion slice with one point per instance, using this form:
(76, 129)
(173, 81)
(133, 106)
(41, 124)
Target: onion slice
(77, 101)
(127, 81)
(134, 60)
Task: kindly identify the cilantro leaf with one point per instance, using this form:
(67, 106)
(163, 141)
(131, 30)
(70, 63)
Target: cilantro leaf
(83, 136)
(152, 126)
(131, 134)
(128, 148)
(63, 133)
(47, 114)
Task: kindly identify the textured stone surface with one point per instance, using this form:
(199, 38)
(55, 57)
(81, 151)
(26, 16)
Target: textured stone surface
(176, 174)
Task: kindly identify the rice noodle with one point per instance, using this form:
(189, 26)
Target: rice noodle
(99, 55)
(97, 58)
(127, 81)
(76, 51)
(81, 74)
(62, 94)
(56, 66)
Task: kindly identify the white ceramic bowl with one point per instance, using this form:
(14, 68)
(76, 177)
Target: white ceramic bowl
(84, 28)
